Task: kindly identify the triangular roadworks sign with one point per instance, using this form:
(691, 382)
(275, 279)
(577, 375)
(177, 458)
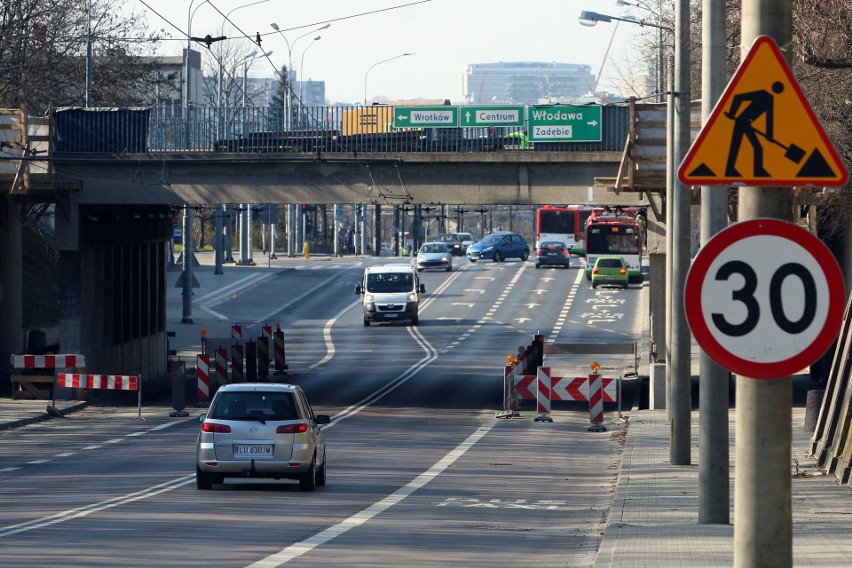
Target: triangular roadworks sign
(763, 132)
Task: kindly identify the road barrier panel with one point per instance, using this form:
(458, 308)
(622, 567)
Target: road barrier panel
(236, 331)
(202, 371)
(596, 403)
(263, 356)
(103, 382)
(221, 368)
(543, 388)
(237, 375)
(178, 371)
(279, 355)
(27, 385)
(251, 361)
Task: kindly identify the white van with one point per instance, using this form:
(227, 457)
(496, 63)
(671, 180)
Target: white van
(390, 292)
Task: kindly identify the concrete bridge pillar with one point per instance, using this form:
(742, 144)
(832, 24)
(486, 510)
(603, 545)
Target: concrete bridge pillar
(11, 290)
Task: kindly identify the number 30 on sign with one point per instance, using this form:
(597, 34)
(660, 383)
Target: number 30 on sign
(764, 298)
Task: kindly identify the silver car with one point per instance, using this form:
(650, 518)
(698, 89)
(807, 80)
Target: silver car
(434, 255)
(261, 430)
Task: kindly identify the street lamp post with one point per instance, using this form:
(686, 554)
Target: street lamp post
(247, 61)
(301, 82)
(370, 68)
(219, 101)
(661, 65)
(588, 18)
(290, 58)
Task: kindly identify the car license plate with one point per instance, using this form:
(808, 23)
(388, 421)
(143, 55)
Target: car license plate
(253, 450)
(391, 315)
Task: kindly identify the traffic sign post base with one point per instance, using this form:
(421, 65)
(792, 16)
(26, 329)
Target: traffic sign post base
(596, 427)
(543, 418)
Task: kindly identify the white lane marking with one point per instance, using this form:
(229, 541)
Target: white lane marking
(227, 292)
(563, 313)
(86, 510)
(298, 549)
(307, 293)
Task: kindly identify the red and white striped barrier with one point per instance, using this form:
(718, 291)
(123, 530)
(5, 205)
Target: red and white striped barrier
(565, 388)
(237, 375)
(596, 404)
(236, 331)
(577, 388)
(544, 388)
(202, 372)
(221, 367)
(47, 361)
(103, 382)
(279, 355)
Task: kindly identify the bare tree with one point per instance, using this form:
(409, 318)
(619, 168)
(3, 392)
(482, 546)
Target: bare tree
(43, 54)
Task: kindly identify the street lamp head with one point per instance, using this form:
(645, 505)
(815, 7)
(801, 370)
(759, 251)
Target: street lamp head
(251, 54)
(589, 19)
(274, 26)
(325, 27)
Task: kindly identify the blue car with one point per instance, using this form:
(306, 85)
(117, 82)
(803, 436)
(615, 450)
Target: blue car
(499, 247)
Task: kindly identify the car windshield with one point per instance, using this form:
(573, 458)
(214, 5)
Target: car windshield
(254, 405)
(465, 237)
(551, 245)
(448, 238)
(435, 248)
(491, 240)
(390, 282)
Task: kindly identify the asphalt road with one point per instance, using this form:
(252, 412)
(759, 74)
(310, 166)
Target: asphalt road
(420, 471)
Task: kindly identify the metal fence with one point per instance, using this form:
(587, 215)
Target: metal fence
(319, 129)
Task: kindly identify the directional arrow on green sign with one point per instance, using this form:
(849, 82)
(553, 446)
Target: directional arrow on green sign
(565, 123)
(492, 115)
(426, 117)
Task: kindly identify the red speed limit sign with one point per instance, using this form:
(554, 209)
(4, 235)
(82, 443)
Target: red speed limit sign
(764, 298)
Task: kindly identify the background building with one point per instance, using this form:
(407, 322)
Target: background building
(527, 82)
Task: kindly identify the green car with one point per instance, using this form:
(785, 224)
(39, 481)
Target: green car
(609, 270)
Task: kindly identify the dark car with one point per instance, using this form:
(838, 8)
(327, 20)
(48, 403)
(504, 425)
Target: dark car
(552, 253)
(499, 247)
(453, 241)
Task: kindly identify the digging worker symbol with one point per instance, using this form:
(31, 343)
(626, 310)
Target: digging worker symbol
(757, 104)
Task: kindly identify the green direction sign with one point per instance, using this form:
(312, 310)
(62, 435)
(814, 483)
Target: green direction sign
(426, 117)
(565, 123)
(492, 115)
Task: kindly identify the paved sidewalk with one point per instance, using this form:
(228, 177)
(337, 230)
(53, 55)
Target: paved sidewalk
(654, 517)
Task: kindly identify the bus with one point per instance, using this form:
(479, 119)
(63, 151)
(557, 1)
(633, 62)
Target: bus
(619, 234)
(565, 223)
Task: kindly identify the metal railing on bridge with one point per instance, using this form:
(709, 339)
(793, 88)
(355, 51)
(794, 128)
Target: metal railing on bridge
(318, 129)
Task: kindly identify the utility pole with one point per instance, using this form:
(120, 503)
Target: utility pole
(679, 213)
(763, 519)
(714, 493)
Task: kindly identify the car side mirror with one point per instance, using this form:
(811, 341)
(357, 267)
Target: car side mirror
(358, 290)
(322, 419)
(203, 417)
(422, 288)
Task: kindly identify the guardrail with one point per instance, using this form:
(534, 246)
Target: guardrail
(317, 130)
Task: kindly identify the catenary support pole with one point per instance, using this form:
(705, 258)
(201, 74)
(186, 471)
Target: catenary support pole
(763, 521)
(680, 200)
(188, 254)
(218, 241)
(714, 493)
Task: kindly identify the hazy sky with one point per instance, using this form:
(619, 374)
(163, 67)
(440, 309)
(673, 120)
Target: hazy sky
(443, 35)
